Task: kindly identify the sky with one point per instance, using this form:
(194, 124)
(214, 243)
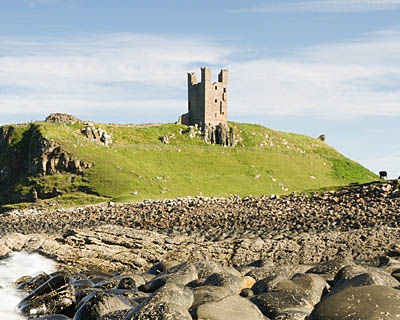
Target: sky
(307, 66)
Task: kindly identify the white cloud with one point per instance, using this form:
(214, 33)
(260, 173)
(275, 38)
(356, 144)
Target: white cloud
(330, 6)
(99, 73)
(353, 79)
(147, 74)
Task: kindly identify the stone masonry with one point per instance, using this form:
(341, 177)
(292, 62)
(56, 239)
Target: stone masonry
(207, 101)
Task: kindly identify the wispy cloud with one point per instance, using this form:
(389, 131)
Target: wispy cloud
(359, 78)
(126, 73)
(329, 6)
(144, 75)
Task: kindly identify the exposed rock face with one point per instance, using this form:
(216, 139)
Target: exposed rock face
(14, 159)
(96, 134)
(5, 133)
(220, 134)
(62, 118)
(40, 156)
(33, 155)
(47, 158)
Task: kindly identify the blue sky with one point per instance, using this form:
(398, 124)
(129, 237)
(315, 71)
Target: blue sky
(310, 66)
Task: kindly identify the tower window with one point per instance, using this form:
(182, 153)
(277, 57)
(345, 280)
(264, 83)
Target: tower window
(220, 108)
(216, 88)
(216, 100)
(224, 90)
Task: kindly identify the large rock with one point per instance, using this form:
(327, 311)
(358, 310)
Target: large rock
(62, 118)
(225, 279)
(97, 134)
(328, 269)
(31, 283)
(371, 277)
(159, 311)
(272, 304)
(311, 286)
(205, 268)
(232, 308)
(57, 295)
(272, 271)
(207, 294)
(366, 303)
(181, 274)
(267, 284)
(98, 304)
(174, 293)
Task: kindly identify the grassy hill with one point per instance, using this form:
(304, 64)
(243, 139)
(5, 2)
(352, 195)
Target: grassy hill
(138, 165)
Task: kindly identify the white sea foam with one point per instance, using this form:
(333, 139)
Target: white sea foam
(17, 265)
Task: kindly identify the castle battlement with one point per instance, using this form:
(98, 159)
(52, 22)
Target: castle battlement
(207, 101)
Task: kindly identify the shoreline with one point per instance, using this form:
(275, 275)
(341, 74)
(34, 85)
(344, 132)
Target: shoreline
(252, 255)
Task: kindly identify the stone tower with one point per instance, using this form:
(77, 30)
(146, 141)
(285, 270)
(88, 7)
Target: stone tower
(207, 101)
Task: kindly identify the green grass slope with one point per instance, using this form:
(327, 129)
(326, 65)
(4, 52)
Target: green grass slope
(138, 166)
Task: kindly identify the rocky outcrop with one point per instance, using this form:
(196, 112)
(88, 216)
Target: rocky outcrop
(32, 155)
(220, 134)
(97, 135)
(62, 118)
(5, 134)
(47, 157)
(11, 159)
(35, 155)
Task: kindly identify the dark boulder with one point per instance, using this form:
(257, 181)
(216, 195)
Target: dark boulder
(366, 302)
(232, 308)
(31, 283)
(55, 296)
(274, 303)
(98, 304)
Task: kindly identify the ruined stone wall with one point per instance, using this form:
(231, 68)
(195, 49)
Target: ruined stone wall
(216, 100)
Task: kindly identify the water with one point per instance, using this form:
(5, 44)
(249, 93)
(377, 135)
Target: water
(17, 265)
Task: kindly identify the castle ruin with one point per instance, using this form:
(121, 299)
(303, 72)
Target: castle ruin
(207, 101)
(207, 107)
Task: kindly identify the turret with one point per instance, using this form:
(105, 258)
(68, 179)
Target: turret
(223, 76)
(192, 78)
(205, 75)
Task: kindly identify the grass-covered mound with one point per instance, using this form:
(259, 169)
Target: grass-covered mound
(138, 165)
